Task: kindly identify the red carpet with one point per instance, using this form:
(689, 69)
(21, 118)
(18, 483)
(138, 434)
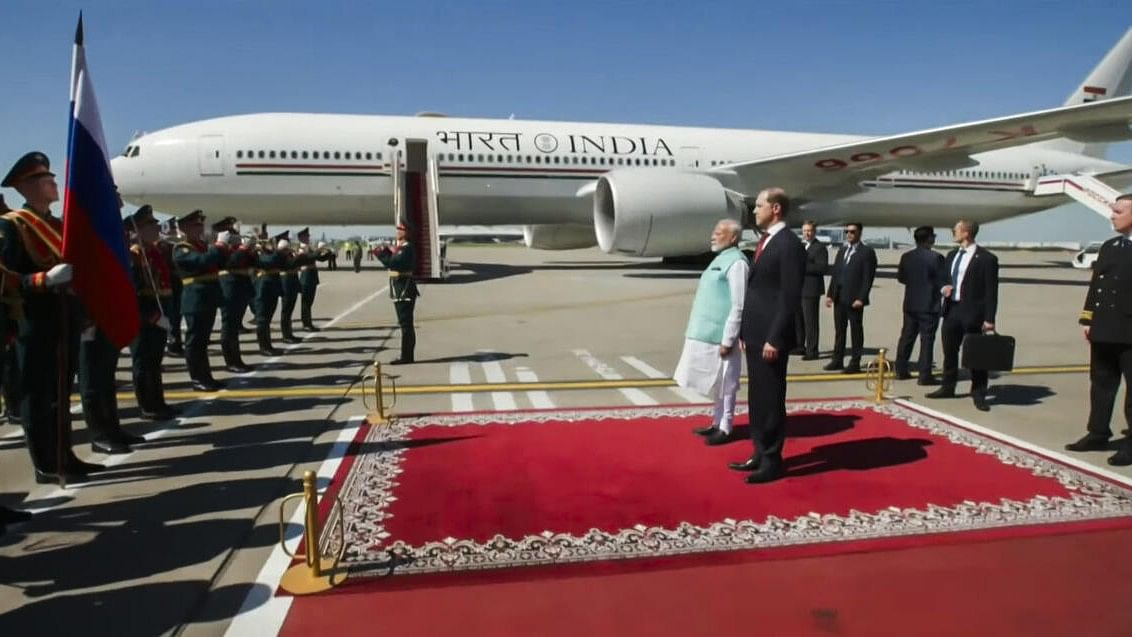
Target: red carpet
(495, 497)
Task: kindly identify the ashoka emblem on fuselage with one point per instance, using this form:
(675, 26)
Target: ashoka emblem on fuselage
(546, 142)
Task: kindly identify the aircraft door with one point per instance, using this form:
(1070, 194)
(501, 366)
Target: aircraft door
(210, 155)
(417, 207)
(690, 157)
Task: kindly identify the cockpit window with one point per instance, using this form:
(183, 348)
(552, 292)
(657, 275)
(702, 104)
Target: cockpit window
(126, 153)
(137, 149)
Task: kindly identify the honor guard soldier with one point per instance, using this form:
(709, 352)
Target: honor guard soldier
(289, 295)
(48, 334)
(308, 275)
(234, 285)
(198, 263)
(1107, 318)
(401, 260)
(11, 311)
(267, 291)
(153, 281)
(173, 237)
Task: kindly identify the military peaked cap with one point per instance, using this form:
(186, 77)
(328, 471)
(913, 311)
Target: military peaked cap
(195, 216)
(304, 232)
(224, 224)
(286, 234)
(32, 164)
(144, 215)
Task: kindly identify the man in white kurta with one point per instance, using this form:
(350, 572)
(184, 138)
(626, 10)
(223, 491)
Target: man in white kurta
(711, 363)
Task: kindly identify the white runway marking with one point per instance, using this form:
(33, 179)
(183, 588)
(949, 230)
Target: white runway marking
(262, 613)
(461, 374)
(635, 396)
(689, 395)
(539, 399)
(493, 373)
(648, 370)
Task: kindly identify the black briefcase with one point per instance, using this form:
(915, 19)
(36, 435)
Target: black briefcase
(990, 352)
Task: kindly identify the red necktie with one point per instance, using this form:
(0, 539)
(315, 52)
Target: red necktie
(762, 243)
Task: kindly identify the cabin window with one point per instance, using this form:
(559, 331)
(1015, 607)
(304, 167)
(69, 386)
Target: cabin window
(378, 156)
(261, 154)
(239, 153)
(491, 158)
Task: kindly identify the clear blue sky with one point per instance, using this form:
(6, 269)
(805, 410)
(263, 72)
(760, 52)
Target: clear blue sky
(853, 67)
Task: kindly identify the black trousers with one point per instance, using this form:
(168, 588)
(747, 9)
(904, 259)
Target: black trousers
(98, 360)
(146, 352)
(42, 403)
(924, 325)
(198, 333)
(404, 311)
(806, 326)
(844, 315)
(307, 293)
(1107, 362)
(766, 402)
(955, 328)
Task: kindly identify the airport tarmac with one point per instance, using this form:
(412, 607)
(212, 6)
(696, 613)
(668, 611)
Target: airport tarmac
(174, 538)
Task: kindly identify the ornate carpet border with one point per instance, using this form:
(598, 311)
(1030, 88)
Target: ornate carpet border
(374, 479)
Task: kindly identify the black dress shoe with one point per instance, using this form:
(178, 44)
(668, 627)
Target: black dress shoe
(750, 464)
(45, 477)
(942, 392)
(13, 516)
(810, 357)
(769, 473)
(109, 447)
(1089, 443)
(159, 415)
(704, 431)
(292, 340)
(980, 402)
(175, 351)
(903, 375)
(202, 385)
(238, 369)
(401, 361)
(717, 438)
(852, 369)
(798, 351)
(127, 438)
(833, 366)
(1121, 458)
(930, 381)
(311, 328)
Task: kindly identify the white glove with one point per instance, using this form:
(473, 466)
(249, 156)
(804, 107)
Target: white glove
(249, 242)
(224, 237)
(163, 323)
(59, 274)
(283, 244)
(88, 334)
(321, 245)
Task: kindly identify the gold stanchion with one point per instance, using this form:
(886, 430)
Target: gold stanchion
(317, 573)
(377, 414)
(878, 376)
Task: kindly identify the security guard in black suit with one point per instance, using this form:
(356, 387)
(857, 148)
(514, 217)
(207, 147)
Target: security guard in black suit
(153, 282)
(31, 246)
(308, 259)
(289, 288)
(267, 290)
(923, 274)
(1107, 318)
(807, 323)
(853, 272)
(234, 279)
(172, 237)
(198, 263)
(401, 261)
(970, 303)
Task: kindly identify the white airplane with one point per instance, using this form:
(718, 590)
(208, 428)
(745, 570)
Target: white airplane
(632, 189)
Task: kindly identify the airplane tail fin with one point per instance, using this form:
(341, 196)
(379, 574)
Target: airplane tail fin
(1111, 78)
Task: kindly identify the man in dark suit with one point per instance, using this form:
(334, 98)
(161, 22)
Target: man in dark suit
(1107, 318)
(773, 297)
(923, 274)
(806, 322)
(970, 302)
(849, 286)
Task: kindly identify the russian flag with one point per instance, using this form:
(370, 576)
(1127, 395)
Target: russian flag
(93, 237)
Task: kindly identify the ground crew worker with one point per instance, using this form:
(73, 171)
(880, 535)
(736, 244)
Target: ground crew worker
(198, 263)
(401, 261)
(32, 245)
(153, 282)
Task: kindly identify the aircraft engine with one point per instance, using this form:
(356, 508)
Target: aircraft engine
(653, 213)
(559, 236)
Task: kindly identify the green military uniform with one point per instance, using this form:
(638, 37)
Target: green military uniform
(289, 279)
(153, 282)
(175, 345)
(235, 278)
(308, 276)
(267, 290)
(1108, 314)
(403, 290)
(31, 247)
(198, 265)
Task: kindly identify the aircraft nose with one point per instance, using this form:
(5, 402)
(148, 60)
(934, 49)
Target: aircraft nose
(127, 176)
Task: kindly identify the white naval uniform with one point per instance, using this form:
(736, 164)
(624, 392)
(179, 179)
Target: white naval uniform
(704, 371)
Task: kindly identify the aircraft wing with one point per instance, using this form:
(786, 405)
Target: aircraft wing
(835, 171)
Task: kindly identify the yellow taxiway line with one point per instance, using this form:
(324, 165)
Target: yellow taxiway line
(564, 385)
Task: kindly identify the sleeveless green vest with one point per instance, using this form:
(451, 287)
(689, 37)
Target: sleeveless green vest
(713, 299)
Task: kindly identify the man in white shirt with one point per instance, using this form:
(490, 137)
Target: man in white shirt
(710, 363)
